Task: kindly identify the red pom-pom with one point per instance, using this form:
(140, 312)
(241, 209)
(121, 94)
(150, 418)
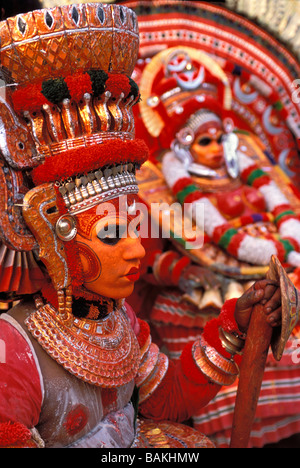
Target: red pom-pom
(225, 320)
(29, 98)
(78, 85)
(226, 316)
(117, 84)
(14, 434)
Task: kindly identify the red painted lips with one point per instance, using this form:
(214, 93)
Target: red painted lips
(133, 274)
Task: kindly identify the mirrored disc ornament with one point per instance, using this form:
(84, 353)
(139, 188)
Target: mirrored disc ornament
(66, 228)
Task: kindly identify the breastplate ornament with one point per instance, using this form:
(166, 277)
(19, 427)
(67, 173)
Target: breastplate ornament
(101, 352)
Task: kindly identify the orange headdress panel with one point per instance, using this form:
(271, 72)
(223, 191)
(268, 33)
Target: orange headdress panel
(68, 140)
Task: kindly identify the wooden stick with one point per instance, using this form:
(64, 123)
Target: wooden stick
(251, 374)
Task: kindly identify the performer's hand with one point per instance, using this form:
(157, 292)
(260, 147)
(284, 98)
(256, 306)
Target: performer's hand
(194, 276)
(268, 293)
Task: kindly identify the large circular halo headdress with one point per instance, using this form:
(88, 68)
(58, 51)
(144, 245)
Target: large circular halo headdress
(152, 119)
(261, 69)
(246, 55)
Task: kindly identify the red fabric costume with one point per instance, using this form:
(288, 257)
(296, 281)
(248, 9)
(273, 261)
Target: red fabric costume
(22, 384)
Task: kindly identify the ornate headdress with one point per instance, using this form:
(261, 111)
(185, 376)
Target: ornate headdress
(183, 89)
(67, 133)
(180, 86)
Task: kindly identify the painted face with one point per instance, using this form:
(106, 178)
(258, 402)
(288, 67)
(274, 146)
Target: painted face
(207, 148)
(110, 251)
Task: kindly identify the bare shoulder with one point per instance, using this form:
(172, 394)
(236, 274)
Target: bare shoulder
(22, 310)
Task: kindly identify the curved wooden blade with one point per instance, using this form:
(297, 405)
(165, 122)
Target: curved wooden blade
(260, 336)
(251, 374)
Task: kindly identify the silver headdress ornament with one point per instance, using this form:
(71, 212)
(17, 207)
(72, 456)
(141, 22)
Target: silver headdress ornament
(200, 118)
(186, 137)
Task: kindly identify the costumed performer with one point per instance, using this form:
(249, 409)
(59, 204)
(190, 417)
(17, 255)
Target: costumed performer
(77, 365)
(202, 159)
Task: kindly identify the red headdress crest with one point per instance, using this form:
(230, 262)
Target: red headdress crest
(177, 83)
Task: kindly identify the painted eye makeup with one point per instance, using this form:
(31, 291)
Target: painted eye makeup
(204, 141)
(207, 141)
(112, 233)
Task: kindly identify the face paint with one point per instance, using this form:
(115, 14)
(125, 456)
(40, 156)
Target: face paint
(90, 263)
(207, 148)
(111, 252)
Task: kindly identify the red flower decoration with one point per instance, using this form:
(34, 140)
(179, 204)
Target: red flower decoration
(78, 85)
(81, 160)
(117, 84)
(14, 435)
(29, 98)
